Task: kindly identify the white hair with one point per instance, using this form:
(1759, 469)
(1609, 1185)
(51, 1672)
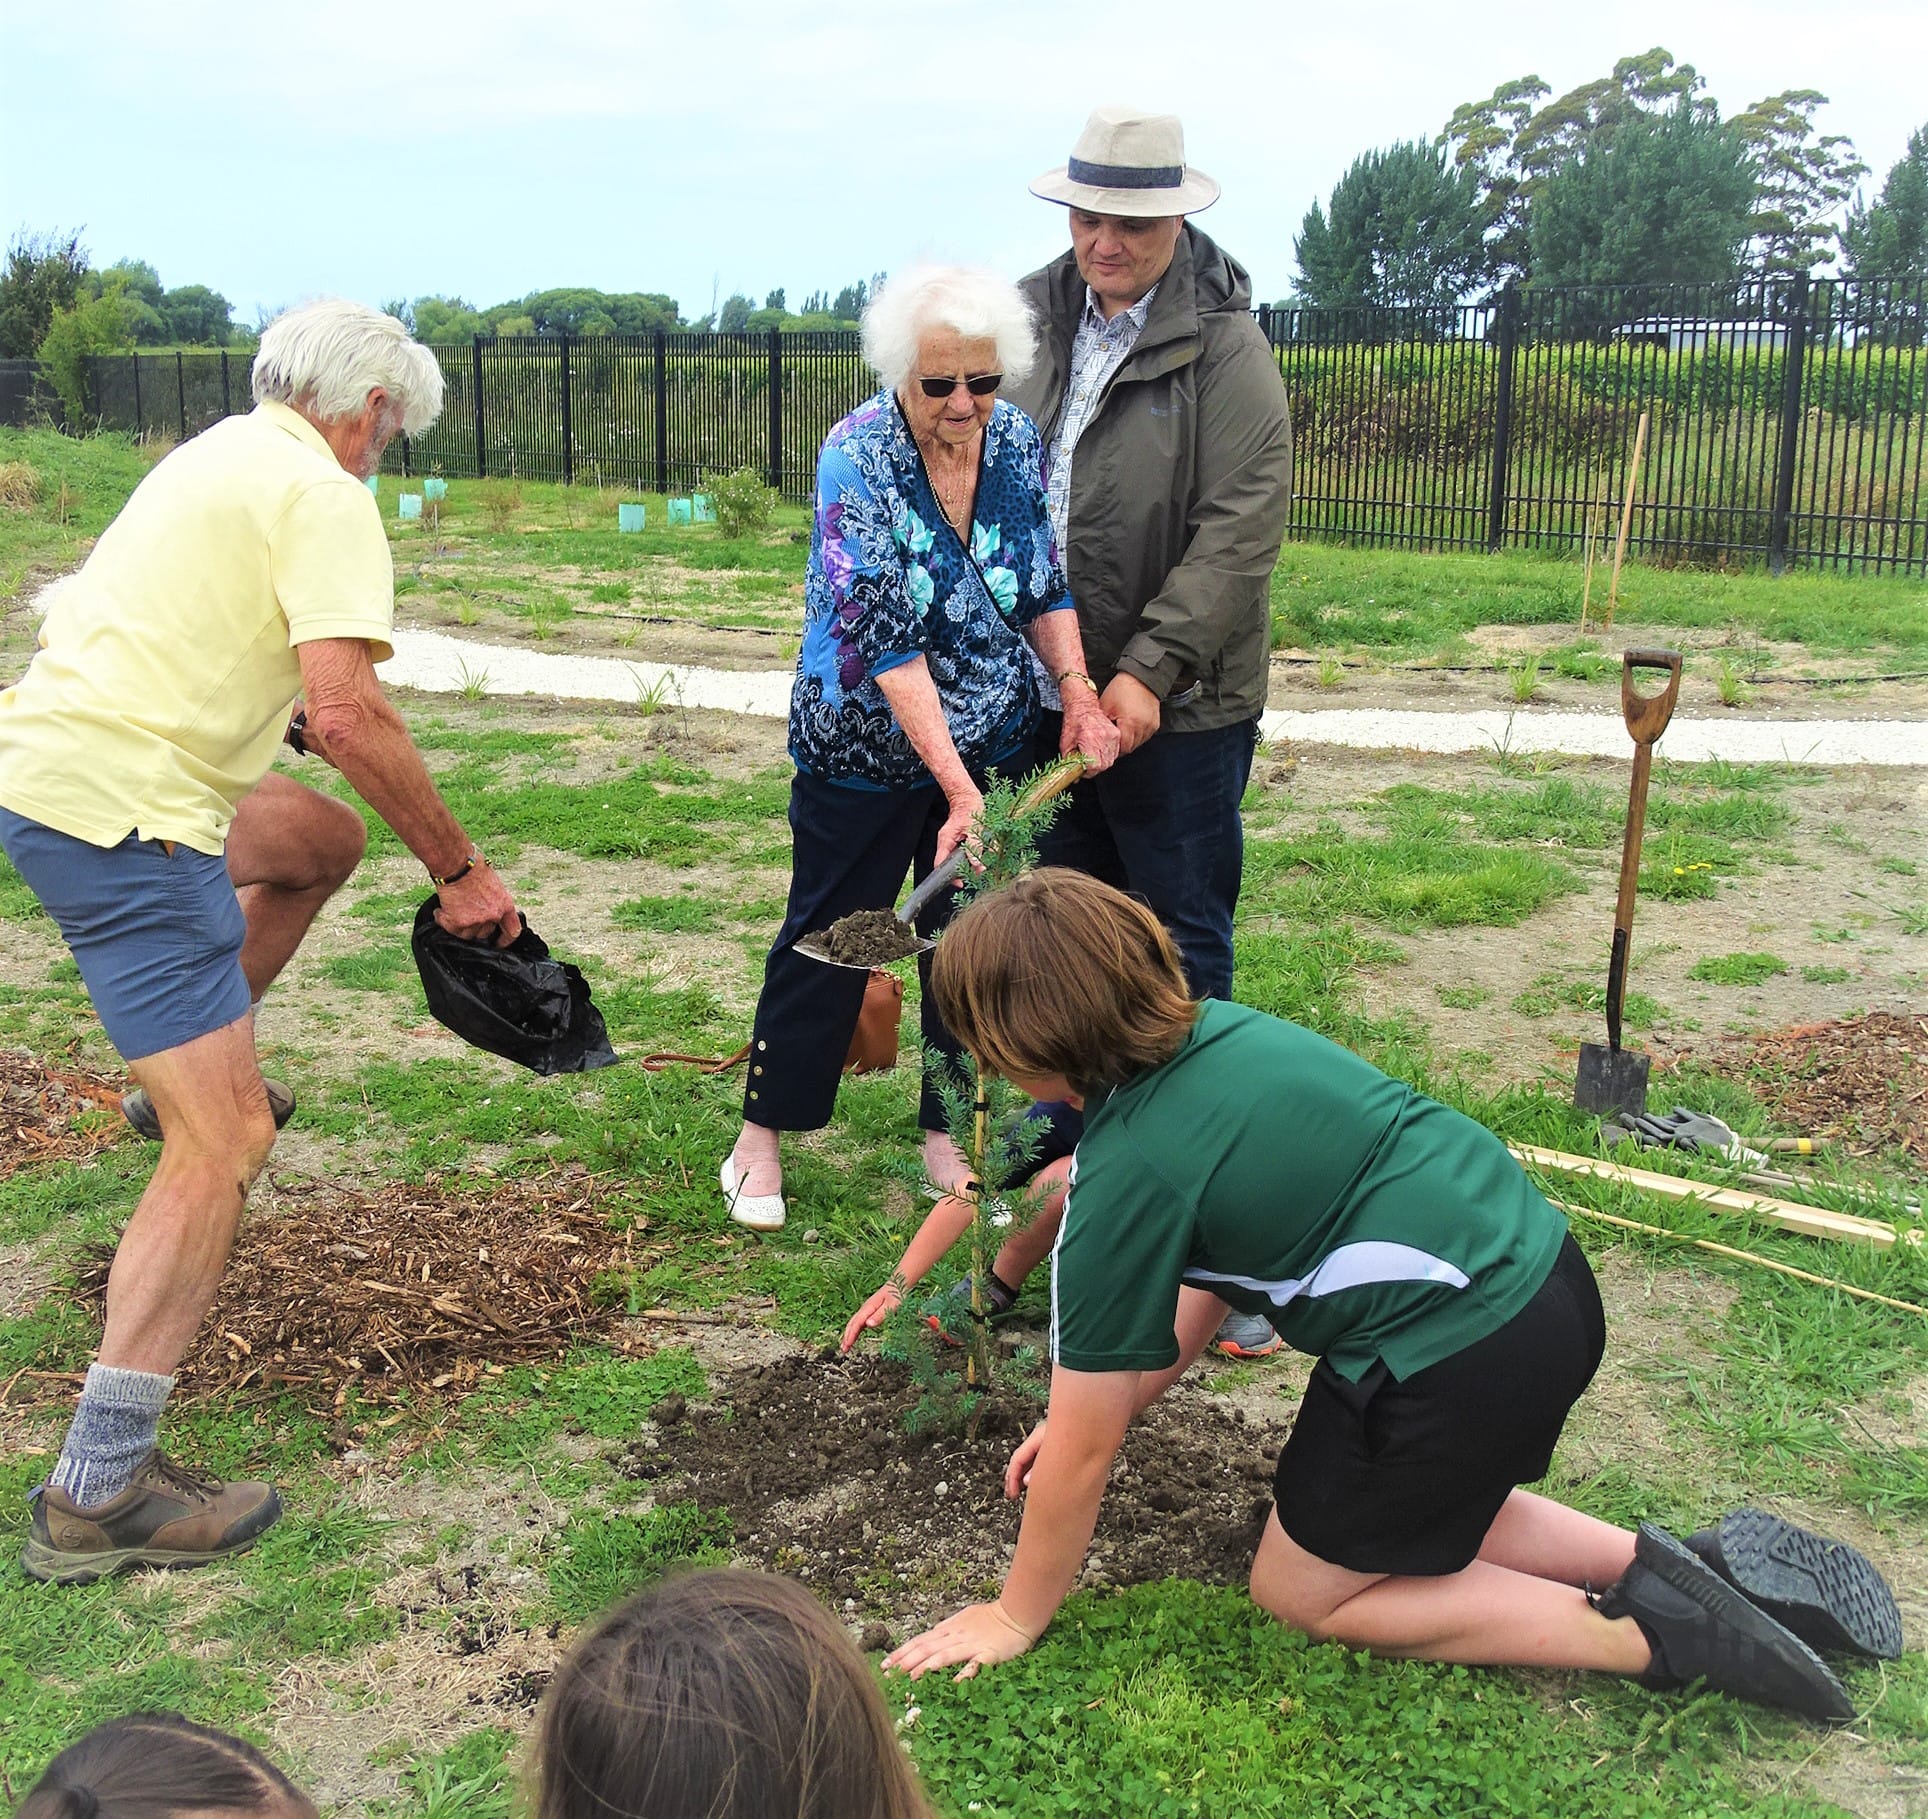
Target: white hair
(326, 357)
(977, 305)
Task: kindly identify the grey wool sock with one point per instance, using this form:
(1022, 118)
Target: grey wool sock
(114, 1429)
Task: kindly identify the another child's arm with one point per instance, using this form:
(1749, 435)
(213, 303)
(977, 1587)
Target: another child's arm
(947, 1222)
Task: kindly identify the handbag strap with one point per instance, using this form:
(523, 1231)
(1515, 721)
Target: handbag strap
(708, 1064)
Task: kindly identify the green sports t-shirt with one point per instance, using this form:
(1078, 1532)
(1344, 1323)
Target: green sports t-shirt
(1294, 1180)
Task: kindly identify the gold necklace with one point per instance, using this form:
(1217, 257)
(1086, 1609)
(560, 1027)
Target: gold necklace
(944, 505)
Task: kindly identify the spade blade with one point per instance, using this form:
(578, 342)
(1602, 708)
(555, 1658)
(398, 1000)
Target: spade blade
(1610, 1080)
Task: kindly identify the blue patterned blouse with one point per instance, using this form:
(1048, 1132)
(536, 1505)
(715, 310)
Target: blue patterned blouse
(889, 580)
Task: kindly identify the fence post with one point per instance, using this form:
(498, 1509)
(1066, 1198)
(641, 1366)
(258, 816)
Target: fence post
(662, 411)
(180, 388)
(227, 408)
(1792, 364)
(140, 420)
(1502, 418)
(481, 438)
(568, 432)
(776, 409)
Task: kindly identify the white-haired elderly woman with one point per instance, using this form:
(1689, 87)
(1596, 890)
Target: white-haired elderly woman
(248, 570)
(933, 578)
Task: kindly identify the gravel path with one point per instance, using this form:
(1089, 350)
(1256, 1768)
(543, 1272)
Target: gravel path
(439, 664)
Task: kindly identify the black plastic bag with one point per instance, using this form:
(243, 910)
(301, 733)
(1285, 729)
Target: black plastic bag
(514, 1001)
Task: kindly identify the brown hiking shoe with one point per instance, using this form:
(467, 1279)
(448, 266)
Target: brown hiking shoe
(167, 1516)
(139, 1110)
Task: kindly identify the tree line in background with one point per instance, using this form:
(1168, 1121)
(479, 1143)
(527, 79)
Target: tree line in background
(1632, 178)
(580, 312)
(56, 307)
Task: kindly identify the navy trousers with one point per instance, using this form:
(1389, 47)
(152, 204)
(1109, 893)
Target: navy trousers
(1163, 823)
(850, 851)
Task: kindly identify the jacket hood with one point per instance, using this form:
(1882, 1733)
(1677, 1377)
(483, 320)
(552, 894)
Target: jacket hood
(1219, 282)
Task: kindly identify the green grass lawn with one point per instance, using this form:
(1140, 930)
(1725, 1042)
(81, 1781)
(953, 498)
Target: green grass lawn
(526, 559)
(489, 1526)
(1165, 1699)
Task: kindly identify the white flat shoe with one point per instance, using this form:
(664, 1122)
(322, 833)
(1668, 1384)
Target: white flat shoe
(760, 1212)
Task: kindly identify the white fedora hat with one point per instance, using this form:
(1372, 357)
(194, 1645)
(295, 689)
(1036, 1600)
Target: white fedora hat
(1128, 162)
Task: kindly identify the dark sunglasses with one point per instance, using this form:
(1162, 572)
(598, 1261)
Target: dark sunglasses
(980, 385)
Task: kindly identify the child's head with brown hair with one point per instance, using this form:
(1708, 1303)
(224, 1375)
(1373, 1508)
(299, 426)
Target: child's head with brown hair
(1060, 974)
(723, 1695)
(159, 1765)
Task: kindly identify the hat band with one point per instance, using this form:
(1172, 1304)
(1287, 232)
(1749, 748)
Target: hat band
(1125, 176)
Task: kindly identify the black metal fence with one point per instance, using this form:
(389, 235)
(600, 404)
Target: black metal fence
(657, 412)
(1787, 420)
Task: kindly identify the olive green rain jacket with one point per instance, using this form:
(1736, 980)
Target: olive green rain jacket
(1179, 487)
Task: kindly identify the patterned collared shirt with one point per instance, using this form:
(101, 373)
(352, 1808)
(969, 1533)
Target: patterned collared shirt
(1097, 352)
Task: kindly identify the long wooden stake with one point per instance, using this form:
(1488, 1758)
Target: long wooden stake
(1727, 1250)
(1790, 1215)
(1594, 514)
(977, 1364)
(1626, 518)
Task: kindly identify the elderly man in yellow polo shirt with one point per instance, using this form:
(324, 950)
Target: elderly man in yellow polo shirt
(248, 574)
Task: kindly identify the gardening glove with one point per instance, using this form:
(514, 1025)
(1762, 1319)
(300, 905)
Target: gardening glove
(1696, 1132)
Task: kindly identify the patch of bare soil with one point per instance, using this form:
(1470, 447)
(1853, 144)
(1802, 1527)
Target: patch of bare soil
(398, 1291)
(1861, 1082)
(458, 1658)
(810, 1457)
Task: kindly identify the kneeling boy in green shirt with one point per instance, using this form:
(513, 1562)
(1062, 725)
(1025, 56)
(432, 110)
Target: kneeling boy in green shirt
(1230, 1159)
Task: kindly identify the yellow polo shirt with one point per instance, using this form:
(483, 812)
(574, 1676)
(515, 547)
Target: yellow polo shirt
(167, 664)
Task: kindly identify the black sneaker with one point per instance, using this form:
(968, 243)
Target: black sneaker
(1828, 1593)
(139, 1110)
(1701, 1628)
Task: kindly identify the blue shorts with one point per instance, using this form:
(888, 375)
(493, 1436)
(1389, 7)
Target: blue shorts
(156, 934)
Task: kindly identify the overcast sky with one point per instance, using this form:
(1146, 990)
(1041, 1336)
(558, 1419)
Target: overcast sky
(489, 149)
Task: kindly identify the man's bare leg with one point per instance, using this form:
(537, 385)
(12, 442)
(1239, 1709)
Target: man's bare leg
(290, 849)
(219, 1132)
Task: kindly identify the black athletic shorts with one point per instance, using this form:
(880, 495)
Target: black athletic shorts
(1381, 1476)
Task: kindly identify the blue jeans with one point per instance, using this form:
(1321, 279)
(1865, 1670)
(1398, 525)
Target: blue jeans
(1163, 823)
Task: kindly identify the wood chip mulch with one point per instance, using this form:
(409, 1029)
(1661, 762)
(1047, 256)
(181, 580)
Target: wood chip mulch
(43, 1112)
(403, 1292)
(1862, 1082)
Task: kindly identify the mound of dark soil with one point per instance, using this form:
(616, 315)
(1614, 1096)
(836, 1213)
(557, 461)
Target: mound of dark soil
(810, 1458)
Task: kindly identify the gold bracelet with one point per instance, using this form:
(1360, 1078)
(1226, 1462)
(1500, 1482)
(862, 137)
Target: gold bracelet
(1078, 675)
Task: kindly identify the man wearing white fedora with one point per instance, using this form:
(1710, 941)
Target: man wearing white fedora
(1169, 464)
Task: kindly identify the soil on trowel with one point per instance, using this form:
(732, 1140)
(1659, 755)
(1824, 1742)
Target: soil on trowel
(867, 938)
(811, 1459)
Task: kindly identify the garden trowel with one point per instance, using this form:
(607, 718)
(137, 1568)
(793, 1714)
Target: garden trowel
(1614, 1079)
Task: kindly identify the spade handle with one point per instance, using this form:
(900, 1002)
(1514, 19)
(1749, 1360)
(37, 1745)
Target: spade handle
(1054, 782)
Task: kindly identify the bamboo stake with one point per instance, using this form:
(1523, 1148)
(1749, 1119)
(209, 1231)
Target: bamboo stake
(1626, 519)
(1727, 1250)
(977, 1369)
(1790, 1215)
(1594, 514)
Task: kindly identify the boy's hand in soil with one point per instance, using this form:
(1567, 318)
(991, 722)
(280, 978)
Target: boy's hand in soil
(874, 1312)
(977, 1635)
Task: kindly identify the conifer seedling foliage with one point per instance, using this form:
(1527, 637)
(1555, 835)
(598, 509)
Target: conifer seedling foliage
(983, 1113)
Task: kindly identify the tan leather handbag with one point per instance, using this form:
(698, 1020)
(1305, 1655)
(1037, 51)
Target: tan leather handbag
(873, 1048)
